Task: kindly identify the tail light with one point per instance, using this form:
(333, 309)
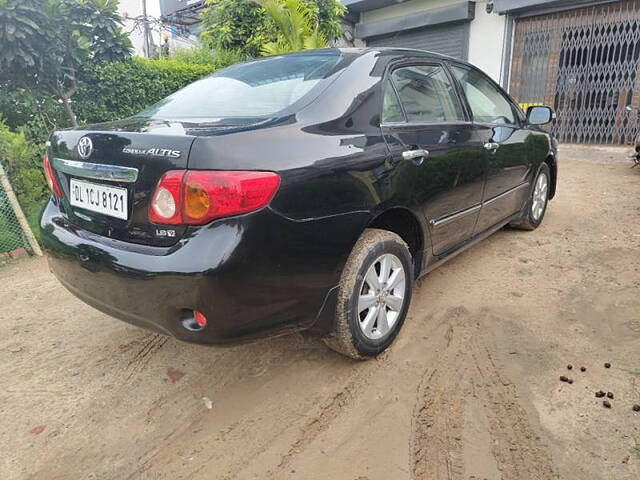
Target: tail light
(50, 176)
(196, 197)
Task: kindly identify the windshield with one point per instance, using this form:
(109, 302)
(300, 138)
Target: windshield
(254, 89)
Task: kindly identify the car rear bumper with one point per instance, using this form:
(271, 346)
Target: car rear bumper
(251, 276)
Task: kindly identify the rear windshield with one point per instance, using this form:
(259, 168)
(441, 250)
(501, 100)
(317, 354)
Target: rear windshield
(254, 89)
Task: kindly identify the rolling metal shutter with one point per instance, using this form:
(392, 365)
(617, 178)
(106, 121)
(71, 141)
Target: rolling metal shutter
(452, 40)
(585, 63)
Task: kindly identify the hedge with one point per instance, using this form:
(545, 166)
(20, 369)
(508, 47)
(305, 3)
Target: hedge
(108, 91)
(21, 160)
(112, 91)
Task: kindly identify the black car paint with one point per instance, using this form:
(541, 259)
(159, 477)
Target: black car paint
(277, 270)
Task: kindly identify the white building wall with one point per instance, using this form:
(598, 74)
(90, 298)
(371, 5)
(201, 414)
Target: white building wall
(130, 9)
(487, 41)
(486, 35)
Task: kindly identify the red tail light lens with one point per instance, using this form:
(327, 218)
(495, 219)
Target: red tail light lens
(50, 176)
(196, 197)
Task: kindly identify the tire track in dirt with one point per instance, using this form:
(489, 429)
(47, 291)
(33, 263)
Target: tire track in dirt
(466, 370)
(435, 444)
(328, 413)
(277, 440)
(517, 448)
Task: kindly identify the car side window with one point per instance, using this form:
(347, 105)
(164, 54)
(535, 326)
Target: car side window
(487, 103)
(391, 110)
(426, 94)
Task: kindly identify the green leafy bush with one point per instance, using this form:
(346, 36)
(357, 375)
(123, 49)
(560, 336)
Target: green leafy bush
(111, 91)
(238, 25)
(36, 113)
(200, 55)
(205, 55)
(21, 160)
(244, 26)
(46, 42)
(107, 91)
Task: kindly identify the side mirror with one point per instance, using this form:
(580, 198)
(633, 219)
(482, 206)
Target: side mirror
(540, 115)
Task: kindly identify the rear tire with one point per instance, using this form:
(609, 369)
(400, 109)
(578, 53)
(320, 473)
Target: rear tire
(536, 206)
(373, 296)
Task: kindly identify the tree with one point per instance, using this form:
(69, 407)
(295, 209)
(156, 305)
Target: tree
(296, 26)
(245, 26)
(330, 14)
(46, 43)
(234, 25)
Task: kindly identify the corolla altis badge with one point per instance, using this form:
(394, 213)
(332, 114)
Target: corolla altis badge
(85, 147)
(152, 152)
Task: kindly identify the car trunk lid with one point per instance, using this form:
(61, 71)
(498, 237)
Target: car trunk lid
(118, 162)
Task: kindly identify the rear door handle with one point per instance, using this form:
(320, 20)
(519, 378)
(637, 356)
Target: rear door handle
(492, 146)
(418, 154)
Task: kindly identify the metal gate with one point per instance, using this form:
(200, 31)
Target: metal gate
(583, 62)
(452, 40)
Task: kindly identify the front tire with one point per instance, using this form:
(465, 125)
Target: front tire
(538, 200)
(374, 295)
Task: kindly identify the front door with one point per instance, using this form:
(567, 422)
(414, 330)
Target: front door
(440, 161)
(499, 126)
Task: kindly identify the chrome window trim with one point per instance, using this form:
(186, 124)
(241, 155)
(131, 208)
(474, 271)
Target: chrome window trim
(96, 171)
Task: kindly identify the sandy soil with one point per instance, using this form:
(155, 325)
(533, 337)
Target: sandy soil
(470, 390)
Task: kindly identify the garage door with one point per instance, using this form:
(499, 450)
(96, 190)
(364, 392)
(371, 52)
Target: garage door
(585, 63)
(452, 40)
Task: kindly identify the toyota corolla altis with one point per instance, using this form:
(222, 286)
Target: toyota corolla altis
(299, 192)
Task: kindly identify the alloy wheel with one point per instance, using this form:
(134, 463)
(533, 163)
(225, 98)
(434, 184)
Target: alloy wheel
(540, 196)
(381, 296)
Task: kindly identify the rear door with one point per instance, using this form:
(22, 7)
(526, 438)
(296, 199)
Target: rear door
(433, 143)
(499, 125)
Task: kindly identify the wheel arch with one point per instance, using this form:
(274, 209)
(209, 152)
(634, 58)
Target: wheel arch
(407, 225)
(553, 167)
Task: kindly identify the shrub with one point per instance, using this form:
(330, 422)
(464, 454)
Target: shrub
(117, 90)
(243, 25)
(200, 55)
(235, 25)
(21, 160)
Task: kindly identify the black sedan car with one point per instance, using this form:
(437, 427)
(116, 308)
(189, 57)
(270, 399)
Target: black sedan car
(298, 192)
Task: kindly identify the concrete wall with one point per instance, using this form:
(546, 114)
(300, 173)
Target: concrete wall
(486, 41)
(132, 9)
(486, 35)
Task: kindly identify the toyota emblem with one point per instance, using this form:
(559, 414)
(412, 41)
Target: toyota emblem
(85, 147)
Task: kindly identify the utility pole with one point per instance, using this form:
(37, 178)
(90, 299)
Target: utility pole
(146, 46)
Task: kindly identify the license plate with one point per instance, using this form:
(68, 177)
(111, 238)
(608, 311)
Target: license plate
(103, 199)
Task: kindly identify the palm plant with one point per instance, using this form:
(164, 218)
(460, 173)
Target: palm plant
(296, 26)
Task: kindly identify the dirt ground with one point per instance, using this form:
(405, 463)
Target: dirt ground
(470, 390)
